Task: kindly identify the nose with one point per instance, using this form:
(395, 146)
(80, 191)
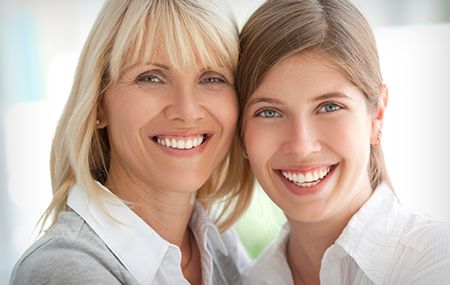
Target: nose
(185, 104)
(302, 139)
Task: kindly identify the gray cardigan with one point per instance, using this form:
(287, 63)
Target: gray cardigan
(70, 252)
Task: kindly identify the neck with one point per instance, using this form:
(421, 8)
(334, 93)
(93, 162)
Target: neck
(308, 241)
(166, 212)
(307, 244)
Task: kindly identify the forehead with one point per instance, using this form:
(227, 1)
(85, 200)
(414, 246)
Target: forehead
(189, 34)
(162, 57)
(304, 74)
(176, 57)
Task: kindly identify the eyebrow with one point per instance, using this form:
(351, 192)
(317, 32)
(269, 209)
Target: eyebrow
(160, 65)
(331, 95)
(315, 99)
(264, 100)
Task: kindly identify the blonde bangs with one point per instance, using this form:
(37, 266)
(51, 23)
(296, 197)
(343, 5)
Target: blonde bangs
(191, 33)
(187, 37)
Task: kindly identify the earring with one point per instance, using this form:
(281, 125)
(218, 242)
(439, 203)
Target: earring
(97, 122)
(379, 135)
(244, 154)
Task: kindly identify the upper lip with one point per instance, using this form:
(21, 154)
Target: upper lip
(182, 133)
(304, 168)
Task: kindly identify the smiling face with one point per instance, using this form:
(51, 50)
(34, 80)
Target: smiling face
(168, 129)
(307, 133)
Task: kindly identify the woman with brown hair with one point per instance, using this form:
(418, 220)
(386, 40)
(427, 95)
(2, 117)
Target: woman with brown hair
(313, 101)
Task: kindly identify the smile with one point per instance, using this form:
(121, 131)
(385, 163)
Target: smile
(181, 142)
(308, 178)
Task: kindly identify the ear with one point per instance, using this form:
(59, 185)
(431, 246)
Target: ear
(377, 120)
(101, 117)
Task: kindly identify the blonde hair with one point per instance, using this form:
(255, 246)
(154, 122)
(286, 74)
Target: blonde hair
(282, 28)
(129, 32)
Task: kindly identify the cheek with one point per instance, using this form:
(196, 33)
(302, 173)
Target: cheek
(350, 138)
(259, 144)
(129, 118)
(224, 108)
(129, 107)
(251, 136)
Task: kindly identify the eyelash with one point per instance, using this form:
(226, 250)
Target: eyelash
(276, 114)
(335, 107)
(149, 78)
(212, 80)
(261, 113)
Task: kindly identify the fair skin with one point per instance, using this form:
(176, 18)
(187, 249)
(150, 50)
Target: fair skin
(167, 136)
(307, 132)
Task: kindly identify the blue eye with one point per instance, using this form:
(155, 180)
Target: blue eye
(329, 107)
(212, 80)
(149, 78)
(268, 113)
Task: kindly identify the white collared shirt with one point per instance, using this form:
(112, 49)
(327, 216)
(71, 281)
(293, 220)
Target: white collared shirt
(150, 258)
(383, 243)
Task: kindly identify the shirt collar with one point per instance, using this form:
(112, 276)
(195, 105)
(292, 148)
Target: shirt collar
(138, 247)
(271, 266)
(372, 234)
(131, 240)
(201, 223)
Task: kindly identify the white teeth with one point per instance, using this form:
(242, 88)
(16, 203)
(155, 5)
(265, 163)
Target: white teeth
(161, 141)
(307, 179)
(316, 175)
(181, 143)
(299, 178)
(188, 144)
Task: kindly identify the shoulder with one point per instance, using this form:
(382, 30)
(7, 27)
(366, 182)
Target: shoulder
(68, 253)
(429, 240)
(423, 255)
(271, 265)
(421, 234)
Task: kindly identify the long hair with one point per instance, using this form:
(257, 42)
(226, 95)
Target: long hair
(282, 28)
(125, 33)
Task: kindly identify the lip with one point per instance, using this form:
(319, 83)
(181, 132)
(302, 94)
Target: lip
(302, 169)
(182, 152)
(304, 191)
(182, 133)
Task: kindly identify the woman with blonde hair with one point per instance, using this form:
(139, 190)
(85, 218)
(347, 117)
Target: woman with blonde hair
(313, 101)
(142, 154)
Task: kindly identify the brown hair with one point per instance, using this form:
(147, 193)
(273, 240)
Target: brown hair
(281, 28)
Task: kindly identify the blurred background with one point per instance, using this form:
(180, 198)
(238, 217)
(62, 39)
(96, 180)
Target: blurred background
(40, 42)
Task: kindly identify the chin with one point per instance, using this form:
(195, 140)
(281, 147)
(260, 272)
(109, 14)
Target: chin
(305, 213)
(188, 185)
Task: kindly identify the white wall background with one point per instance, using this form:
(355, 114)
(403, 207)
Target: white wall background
(40, 44)
(416, 64)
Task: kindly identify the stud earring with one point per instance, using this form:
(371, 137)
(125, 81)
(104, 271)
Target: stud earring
(379, 135)
(97, 122)
(244, 154)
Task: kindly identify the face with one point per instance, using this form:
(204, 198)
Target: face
(307, 132)
(169, 129)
